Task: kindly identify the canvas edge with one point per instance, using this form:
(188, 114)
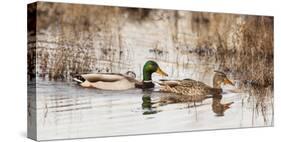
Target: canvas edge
(31, 71)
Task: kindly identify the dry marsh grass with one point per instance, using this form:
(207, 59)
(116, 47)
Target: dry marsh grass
(73, 34)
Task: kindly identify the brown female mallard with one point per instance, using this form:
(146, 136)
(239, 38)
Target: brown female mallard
(192, 90)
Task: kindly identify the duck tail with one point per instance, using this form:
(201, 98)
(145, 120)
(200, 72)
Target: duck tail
(79, 79)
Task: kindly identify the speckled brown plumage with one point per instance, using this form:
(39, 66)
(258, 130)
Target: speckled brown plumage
(192, 90)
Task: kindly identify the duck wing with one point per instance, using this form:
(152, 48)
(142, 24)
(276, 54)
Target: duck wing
(105, 77)
(193, 87)
(193, 83)
(170, 83)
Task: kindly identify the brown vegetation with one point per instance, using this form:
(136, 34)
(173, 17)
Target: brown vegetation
(71, 34)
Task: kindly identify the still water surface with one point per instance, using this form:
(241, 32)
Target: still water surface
(66, 110)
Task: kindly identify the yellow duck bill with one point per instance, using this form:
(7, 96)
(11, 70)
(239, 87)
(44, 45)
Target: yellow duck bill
(227, 81)
(159, 71)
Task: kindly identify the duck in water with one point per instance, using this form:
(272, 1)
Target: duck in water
(117, 81)
(188, 90)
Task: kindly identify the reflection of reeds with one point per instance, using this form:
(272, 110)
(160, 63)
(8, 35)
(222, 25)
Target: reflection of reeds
(261, 98)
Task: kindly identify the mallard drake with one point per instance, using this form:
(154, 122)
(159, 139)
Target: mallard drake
(117, 81)
(192, 90)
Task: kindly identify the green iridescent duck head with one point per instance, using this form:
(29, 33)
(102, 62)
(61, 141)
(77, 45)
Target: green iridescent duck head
(151, 67)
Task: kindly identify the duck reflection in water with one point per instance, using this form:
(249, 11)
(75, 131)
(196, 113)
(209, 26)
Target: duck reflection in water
(148, 106)
(219, 108)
